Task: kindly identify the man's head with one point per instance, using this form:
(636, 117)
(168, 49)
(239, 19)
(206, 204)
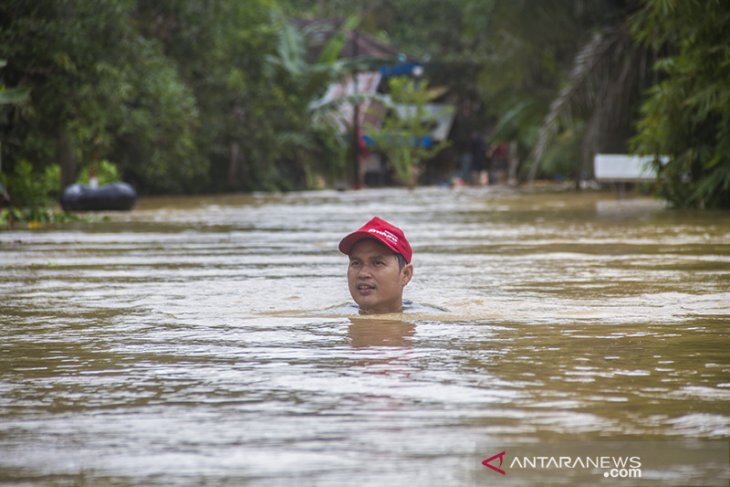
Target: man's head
(380, 266)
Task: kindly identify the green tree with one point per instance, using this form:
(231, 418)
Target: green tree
(505, 61)
(563, 79)
(686, 115)
(249, 69)
(311, 141)
(98, 90)
(219, 48)
(600, 98)
(8, 96)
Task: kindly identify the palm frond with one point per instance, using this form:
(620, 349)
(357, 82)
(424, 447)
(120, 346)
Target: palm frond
(586, 61)
(605, 73)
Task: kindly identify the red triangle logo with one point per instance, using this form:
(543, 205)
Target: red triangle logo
(487, 463)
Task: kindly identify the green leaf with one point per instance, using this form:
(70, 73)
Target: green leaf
(14, 96)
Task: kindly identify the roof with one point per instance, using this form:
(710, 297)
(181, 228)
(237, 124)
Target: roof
(357, 43)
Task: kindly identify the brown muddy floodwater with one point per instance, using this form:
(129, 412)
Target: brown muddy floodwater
(201, 341)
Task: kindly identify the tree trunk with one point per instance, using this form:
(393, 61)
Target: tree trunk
(65, 157)
(588, 147)
(234, 165)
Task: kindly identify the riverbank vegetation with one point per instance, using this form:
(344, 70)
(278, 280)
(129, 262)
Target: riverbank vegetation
(192, 97)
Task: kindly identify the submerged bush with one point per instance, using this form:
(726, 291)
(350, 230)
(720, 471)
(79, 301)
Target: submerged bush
(26, 188)
(28, 194)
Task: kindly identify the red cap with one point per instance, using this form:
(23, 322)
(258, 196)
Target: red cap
(382, 231)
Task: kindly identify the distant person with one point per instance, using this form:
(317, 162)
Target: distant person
(464, 173)
(499, 158)
(380, 266)
(478, 151)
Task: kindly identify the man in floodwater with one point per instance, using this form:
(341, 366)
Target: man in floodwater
(380, 266)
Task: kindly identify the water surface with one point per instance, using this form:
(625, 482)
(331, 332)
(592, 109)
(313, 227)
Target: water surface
(196, 341)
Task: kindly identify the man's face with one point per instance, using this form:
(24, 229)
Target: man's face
(375, 279)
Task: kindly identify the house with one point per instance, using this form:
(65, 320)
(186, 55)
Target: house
(361, 103)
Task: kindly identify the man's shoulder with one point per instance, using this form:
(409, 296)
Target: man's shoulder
(411, 307)
(343, 309)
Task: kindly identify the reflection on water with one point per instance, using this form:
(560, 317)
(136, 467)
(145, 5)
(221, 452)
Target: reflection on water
(380, 333)
(193, 341)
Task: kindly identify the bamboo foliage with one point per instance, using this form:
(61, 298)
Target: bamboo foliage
(686, 115)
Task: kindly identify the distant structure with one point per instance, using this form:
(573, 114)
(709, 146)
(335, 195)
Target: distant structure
(369, 114)
(620, 169)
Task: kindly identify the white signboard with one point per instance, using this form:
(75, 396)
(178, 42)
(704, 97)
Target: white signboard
(370, 110)
(624, 168)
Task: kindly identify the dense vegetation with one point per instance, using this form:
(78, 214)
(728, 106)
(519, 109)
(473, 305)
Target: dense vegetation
(207, 96)
(687, 113)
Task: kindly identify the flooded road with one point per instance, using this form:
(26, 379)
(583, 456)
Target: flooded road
(201, 341)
